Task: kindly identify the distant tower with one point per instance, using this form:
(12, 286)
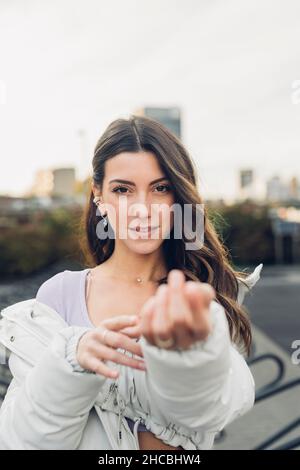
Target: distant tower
(246, 184)
(169, 117)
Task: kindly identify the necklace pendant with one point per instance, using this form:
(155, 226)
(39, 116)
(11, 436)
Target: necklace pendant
(139, 280)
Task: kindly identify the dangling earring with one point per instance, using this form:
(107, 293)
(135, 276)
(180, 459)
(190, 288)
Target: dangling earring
(96, 201)
(104, 220)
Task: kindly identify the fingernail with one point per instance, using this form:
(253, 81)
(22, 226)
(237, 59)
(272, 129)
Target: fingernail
(142, 366)
(175, 278)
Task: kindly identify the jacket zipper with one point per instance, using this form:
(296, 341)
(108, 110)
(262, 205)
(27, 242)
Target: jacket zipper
(112, 388)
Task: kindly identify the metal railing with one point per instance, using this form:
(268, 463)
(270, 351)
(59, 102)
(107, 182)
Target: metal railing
(271, 389)
(293, 443)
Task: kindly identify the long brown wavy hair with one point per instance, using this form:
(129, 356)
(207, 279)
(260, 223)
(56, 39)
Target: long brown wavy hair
(211, 262)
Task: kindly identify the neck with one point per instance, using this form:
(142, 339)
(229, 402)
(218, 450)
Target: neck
(129, 266)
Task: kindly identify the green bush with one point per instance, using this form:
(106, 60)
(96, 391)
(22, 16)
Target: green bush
(29, 247)
(246, 231)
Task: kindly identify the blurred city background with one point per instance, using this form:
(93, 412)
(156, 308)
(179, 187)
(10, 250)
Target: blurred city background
(225, 78)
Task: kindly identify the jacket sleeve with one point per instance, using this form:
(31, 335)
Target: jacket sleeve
(204, 387)
(47, 406)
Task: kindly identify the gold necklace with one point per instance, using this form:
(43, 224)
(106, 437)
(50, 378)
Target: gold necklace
(139, 280)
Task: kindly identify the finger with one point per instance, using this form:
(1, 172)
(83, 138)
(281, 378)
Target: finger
(119, 322)
(179, 310)
(161, 321)
(97, 366)
(132, 331)
(200, 296)
(109, 354)
(118, 340)
(146, 315)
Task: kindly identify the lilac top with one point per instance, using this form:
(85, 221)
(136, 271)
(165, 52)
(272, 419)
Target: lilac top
(65, 292)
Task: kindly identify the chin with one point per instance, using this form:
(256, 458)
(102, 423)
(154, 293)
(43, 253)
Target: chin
(144, 246)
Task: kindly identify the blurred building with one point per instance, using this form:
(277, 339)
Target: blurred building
(294, 188)
(286, 230)
(248, 185)
(63, 182)
(279, 191)
(58, 182)
(246, 178)
(43, 183)
(169, 117)
(276, 190)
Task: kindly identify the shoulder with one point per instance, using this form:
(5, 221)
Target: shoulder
(50, 291)
(56, 290)
(50, 286)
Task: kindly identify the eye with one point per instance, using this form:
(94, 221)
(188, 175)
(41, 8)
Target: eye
(165, 188)
(118, 188)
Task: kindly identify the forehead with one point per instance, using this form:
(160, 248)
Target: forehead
(132, 166)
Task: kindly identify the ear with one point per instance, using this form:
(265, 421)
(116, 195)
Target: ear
(246, 284)
(95, 189)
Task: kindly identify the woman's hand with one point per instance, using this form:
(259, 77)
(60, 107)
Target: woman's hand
(178, 314)
(100, 344)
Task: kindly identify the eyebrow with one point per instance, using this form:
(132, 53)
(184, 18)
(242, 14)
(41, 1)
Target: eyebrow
(133, 184)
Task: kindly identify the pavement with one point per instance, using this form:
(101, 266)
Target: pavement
(274, 304)
(270, 415)
(274, 308)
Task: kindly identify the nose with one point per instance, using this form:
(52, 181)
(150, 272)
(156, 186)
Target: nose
(141, 207)
(141, 211)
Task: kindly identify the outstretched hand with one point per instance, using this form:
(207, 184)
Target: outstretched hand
(178, 314)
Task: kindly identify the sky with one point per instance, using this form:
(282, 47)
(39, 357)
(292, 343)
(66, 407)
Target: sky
(71, 65)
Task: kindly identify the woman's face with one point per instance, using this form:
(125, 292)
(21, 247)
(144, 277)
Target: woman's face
(136, 194)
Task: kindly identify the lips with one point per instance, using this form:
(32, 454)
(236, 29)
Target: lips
(144, 229)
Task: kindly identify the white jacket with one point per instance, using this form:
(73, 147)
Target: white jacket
(184, 398)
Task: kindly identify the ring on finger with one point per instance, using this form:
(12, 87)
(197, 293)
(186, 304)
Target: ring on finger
(106, 330)
(164, 343)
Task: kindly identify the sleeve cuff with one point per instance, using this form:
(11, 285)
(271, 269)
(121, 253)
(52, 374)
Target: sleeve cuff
(71, 349)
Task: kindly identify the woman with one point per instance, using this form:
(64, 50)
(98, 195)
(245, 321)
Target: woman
(166, 311)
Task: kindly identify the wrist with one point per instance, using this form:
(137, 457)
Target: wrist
(72, 346)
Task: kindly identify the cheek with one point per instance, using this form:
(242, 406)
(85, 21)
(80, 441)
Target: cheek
(167, 210)
(167, 223)
(166, 217)
(118, 218)
(113, 213)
